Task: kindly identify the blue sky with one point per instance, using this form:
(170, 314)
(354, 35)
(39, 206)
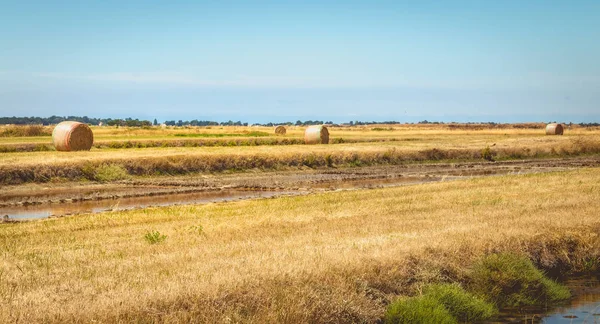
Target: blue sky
(279, 60)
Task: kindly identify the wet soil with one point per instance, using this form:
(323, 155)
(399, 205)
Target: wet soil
(96, 206)
(43, 200)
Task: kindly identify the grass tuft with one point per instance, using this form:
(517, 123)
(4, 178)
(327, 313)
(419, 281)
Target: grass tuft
(420, 309)
(463, 305)
(440, 303)
(154, 237)
(511, 280)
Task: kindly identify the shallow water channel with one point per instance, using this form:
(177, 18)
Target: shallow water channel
(38, 203)
(97, 206)
(584, 307)
(54, 208)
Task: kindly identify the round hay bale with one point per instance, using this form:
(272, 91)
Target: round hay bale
(316, 135)
(72, 136)
(554, 129)
(280, 130)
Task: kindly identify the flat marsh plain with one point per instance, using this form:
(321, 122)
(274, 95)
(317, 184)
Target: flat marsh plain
(332, 257)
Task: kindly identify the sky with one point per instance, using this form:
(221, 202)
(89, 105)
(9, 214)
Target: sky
(261, 61)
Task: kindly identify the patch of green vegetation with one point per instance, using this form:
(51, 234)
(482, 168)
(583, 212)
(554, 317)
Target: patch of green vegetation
(248, 134)
(440, 303)
(110, 172)
(420, 309)
(512, 280)
(463, 305)
(154, 237)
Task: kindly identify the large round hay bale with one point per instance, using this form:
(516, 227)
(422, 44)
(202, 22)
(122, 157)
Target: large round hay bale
(554, 129)
(280, 130)
(72, 136)
(316, 135)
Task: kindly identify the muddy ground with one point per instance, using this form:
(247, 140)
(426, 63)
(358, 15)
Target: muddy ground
(300, 180)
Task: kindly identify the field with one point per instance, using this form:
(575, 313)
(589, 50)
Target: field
(350, 147)
(333, 256)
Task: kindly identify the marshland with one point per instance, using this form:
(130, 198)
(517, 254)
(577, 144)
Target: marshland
(429, 218)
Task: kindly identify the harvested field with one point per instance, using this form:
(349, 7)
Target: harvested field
(329, 257)
(50, 166)
(124, 138)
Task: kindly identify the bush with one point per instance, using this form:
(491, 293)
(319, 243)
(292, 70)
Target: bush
(511, 280)
(154, 237)
(463, 305)
(421, 309)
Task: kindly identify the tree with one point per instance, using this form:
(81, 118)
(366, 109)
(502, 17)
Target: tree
(155, 122)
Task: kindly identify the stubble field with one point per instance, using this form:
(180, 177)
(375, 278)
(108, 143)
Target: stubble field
(331, 257)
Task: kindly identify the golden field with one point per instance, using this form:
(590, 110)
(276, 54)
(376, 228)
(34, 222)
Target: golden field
(330, 258)
(354, 146)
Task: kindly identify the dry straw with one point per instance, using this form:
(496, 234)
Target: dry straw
(72, 136)
(317, 134)
(554, 129)
(280, 130)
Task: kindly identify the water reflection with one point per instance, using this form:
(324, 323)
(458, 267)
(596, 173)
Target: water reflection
(96, 206)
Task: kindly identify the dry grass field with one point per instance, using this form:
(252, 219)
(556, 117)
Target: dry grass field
(355, 146)
(324, 258)
(328, 257)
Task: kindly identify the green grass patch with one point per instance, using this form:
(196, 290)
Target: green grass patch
(154, 237)
(419, 309)
(463, 305)
(440, 303)
(511, 280)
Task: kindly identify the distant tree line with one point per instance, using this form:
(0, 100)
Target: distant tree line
(85, 119)
(142, 123)
(203, 123)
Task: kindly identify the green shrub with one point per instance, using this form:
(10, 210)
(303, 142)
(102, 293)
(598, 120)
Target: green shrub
(463, 305)
(110, 172)
(511, 280)
(154, 237)
(421, 309)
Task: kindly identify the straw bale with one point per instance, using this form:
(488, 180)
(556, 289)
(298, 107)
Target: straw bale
(280, 130)
(72, 136)
(317, 134)
(554, 129)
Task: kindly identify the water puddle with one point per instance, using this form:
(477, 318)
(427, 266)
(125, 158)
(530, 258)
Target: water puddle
(584, 307)
(96, 206)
